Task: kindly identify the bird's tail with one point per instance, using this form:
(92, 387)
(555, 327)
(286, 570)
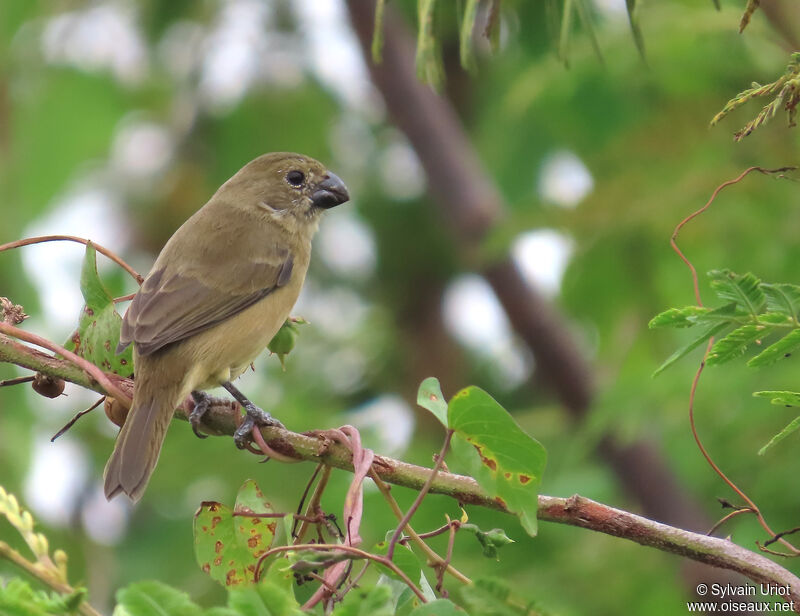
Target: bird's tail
(139, 442)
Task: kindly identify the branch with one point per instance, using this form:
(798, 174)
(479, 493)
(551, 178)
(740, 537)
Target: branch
(223, 417)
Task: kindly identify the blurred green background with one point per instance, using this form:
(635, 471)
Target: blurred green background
(118, 119)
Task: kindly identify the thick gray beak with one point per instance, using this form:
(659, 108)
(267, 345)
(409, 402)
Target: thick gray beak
(330, 192)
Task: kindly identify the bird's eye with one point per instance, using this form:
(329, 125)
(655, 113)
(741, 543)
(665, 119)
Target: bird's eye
(295, 178)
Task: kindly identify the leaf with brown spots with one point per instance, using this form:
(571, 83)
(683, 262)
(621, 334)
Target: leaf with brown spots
(227, 543)
(505, 461)
(429, 396)
(97, 335)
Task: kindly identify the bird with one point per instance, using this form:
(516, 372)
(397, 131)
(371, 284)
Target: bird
(220, 289)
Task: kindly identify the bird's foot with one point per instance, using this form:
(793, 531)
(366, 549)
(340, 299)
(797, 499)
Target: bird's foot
(255, 418)
(201, 403)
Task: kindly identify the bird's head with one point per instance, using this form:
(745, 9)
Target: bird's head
(289, 188)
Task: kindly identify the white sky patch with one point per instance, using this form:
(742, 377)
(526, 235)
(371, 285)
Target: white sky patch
(564, 180)
(338, 312)
(346, 244)
(105, 521)
(103, 37)
(56, 479)
(474, 316)
(344, 369)
(542, 256)
(334, 54)
(390, 418)
(614, 9)
(54, 267)
(141, 149)
(401, 173)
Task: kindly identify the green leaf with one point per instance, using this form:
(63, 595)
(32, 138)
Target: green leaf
(272, 596)
(735, 343)
(564, 34)
(507, 463)
(152, 598)
(743, 289)
(465, 35)
(227, 546)
(780, 398)
(678, 317)
(376, 601)
(633, 18)
(97, 336)
(429, 62)
(18, 598)
(779, 350)
(429, 396)
(377, 32)
(440, 607)
(712, 331)
(403, 557)
(792, 427)
(490, 540)
(784, 298)
(492, 596)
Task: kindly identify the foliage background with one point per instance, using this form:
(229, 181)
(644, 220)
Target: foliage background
(119, 119)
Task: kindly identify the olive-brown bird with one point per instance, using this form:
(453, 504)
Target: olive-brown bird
(219, 291)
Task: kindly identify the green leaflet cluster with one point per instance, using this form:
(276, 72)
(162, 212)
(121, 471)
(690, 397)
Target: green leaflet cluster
(755, 316)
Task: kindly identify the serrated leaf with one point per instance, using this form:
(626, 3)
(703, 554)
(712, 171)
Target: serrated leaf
(735, 343)
(429, 396)
(678, 317)
(227, 546)
(744, 289)
(151, 598)
(684, 350)
(783, 298)
(507, 463)
(780, 398)
(792, 427)
(779, 350)
(775, 318)
(97, 336)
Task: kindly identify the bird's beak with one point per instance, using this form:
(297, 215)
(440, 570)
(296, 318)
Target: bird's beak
(330, 192)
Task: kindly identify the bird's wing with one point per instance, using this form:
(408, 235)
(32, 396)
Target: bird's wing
(171, 306)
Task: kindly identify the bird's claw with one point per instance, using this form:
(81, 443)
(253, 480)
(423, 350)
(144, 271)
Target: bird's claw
(201, 403)
(254, 419)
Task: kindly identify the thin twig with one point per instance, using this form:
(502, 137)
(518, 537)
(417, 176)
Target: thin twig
(17, 381)
(80, 240)
(72, 421)
(422, 493)
(696, 380)
(335, 547)
(432, 555)
(731, 515)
